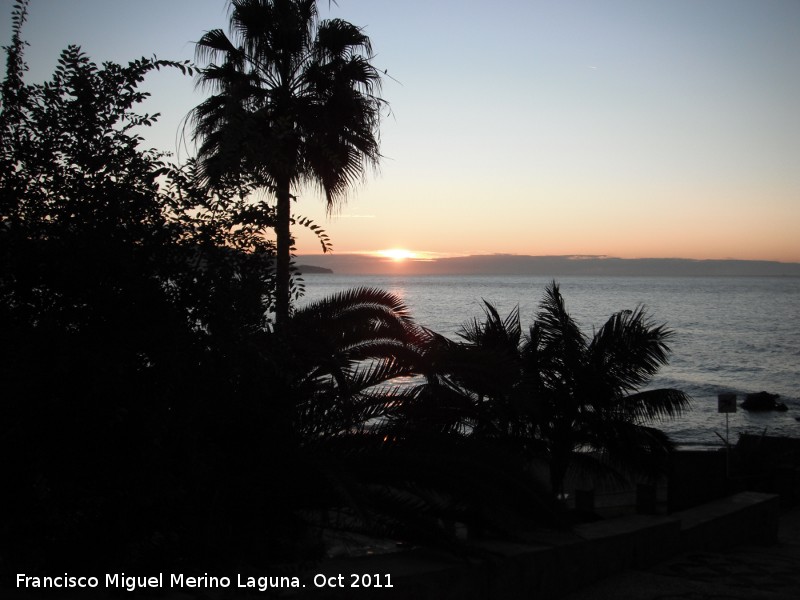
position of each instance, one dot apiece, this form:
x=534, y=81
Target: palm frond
x=339, y=39
x=630, y=349
x=556, y=327
x=383, y=307
x=369, y=373
x=215, y=45
x=656, y=405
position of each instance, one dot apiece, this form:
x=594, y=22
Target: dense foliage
x=126, y=358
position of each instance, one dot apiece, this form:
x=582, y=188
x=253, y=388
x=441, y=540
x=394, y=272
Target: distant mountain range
x=549, y=266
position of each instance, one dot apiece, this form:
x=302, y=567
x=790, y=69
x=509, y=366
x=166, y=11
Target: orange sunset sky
x=621, y=128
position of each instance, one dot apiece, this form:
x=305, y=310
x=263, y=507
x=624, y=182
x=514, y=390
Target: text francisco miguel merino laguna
x=178, y=580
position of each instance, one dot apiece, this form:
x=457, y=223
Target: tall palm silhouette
x=294, y=102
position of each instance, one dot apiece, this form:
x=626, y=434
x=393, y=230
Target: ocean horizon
x=546, y=266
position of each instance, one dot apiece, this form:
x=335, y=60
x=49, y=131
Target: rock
x=763, y=401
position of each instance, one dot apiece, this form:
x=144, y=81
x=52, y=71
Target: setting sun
x=397, y=254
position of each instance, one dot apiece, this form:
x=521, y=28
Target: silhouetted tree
x=75, y=184
x=85, y=242
x=130, y=358
x=294, y=103
x=593, y=409
x=556, y=393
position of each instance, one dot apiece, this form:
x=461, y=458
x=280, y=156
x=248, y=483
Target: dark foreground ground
x=666, y=556
x=769, y=572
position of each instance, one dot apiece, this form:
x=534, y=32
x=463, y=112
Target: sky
x=626, y=128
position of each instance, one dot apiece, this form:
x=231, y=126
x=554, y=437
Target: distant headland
x=546, y=266
x=313, y=269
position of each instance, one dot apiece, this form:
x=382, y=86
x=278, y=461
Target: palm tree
x=591, y=410
x=558, y=394
x=294, y=103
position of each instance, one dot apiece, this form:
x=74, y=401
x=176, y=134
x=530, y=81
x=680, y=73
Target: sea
x=731, y=335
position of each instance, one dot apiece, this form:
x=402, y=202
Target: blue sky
x=624, y=128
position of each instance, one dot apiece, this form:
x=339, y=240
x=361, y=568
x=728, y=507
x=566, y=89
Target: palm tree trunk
x=284, y=253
